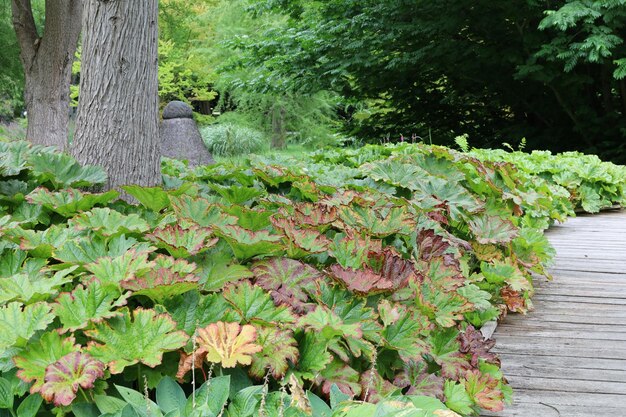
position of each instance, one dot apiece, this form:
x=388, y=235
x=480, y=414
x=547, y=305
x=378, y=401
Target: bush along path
x=344, y=283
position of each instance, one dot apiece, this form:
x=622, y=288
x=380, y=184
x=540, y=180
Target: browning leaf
x=64, y=377
x=288, y=281
x=228, y=343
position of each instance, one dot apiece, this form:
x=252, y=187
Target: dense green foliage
x=498, y=72
x=358, y=274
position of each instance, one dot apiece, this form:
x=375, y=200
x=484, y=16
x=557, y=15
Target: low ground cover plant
x=342, y=283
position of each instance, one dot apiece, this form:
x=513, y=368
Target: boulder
x=177, y=110
x=181, y=139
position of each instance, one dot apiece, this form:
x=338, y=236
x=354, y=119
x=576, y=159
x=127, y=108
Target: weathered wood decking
x=568, y=357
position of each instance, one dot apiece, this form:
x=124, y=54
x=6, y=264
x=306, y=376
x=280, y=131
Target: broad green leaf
x=278, y=349
x=153, y=198
x=337, y=396
x=6, y=394
x=107, y=222
x=91, y=303
x=62, y=170
x=254, y=304
x=192, y=310
x=28, y=288
x=445, y=349
x=501, y=273
x=328, y=325
x=18, y=323
x=138, y=403
x=445, y=308
x=314, y=355
x=123, y=267
x=235, y=194
x=222, y=273
x=41, y=243
x=212, y=396
x=90, y=250
x=64, y=377
x=201, y=212
x=69, y=202
x=107, y=404
x=405, y=334
x=183, y=242
x=143, y=338
x=457, y=398
x=170, y=396
x=170, y=277
x=250, y=219
x=34, y=360
x=492, y=229
x=247, y=244
x=343, y=376
x=29, y=406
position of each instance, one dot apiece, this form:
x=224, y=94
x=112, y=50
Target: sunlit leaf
x=492, y=229
x=182, y=242
x=254, y=304
x=143, y=338
x=107, y=222
x=18, y=323
x=69, y=202
x=247, y=244
x=123, y=267
x=88, y=304
x=228, y=343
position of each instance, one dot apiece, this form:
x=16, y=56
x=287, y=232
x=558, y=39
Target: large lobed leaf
x=142, y=336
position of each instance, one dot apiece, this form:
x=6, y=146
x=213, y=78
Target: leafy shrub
x=360, y=274
x=226, y=139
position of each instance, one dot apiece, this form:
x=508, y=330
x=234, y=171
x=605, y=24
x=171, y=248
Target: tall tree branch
x=26, y=31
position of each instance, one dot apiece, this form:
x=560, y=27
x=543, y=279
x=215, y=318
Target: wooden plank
x=571, y=399
x=547, y=410
x=597, y=364
x=567, y=385
x=600, y=346
x=580, y=300
x=561, y=373
x=550, y=332
x=572, y=328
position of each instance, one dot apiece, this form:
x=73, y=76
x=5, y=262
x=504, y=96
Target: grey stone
x=177, y=110
x=181, y=139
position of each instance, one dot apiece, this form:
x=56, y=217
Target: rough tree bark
x=117, y=122
x=47, y=62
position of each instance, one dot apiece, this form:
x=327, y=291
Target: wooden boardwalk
x=568, y=357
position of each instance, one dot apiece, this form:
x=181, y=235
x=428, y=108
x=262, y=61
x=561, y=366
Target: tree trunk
x=117, y=123
x=278, y=127
x=47, y=63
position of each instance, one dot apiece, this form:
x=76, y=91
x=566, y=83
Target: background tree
x=47, y=62
x=117, y=122
x=478, y=67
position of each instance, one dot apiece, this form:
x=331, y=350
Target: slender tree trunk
x=47, y=62
x=117, y=122
x=278, y=127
